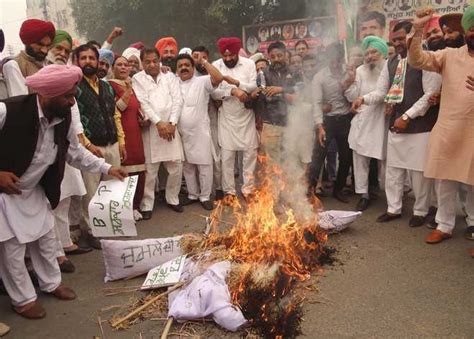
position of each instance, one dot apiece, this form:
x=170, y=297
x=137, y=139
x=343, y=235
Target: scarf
x=396, y=91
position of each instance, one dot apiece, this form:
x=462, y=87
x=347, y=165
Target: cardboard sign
x=111, y=208
x=166, y=274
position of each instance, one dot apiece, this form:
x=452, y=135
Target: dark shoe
x=146, y=215
x=64, y=293
x=219, y=195
x=94, y=242
x=338, y=195
x=177, y=208
x=363, y=204
x=432, y=224
x=32, y=310
x=469, y=233
x=436, y=237
x=185, y=201
x=67, y=266
x=386, y=217
x=416, y=221
x=78, y=251
x=208, y=205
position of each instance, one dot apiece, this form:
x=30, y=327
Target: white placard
x=111, y=208
x=165, y=274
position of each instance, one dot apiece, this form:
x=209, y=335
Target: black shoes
x=185, y=201
x=67, y=266
x=219, y=195
x=386, y=217
x=363, y=204
x=208, y=205
x=338, y=195
x=177, y=208
x=146, y=215
x=416, y=221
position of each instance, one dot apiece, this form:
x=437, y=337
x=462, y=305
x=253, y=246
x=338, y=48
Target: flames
x=273, y=247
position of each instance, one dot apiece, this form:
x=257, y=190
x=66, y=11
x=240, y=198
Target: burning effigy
x=246, y=269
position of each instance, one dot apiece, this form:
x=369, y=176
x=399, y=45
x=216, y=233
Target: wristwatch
x=405, y=117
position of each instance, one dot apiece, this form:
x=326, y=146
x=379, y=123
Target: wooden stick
x=167, y=328
x=148, y=303
x=100, y=325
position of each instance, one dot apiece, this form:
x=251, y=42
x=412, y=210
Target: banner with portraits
x=398, y=10
x=317, y=32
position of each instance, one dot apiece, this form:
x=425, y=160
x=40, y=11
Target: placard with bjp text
x=111, y=208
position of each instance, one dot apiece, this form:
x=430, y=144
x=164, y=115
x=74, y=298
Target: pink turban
x=165, y=42
x=33, y=30
x=54, y=80
x=233, y=45
x=434, y=22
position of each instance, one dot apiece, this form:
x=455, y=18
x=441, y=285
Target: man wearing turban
x=236, y=125
x=452, y=30
x=30, y=178
x=406, y=91
x=106, y=60
x=60, y=48
x=168, y=49
x=37, y=36
x=433, y=34
x=450, y=159
x=368, y=133
x=132, y=55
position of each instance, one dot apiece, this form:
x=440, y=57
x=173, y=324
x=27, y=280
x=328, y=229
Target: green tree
x=191, y=22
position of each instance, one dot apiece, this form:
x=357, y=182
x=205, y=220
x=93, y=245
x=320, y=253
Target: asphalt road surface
x=388, y=284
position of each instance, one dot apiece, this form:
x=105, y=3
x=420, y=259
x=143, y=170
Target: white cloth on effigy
x=207, y=295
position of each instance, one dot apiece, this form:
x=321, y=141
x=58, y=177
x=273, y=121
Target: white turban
x=131, y=51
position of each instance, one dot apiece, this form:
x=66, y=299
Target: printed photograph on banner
x=111, y=208
x=164, y=275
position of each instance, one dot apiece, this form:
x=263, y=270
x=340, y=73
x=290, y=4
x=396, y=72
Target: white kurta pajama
x=195, y=130
x=407, y=151
x=71, y=186
x=368, y=133
x=26, y=220
x=160, y=100
x=236, y=125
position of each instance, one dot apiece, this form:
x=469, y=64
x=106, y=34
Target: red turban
x=233, y=45
x=434, y=22
x=54, y=80
x=33, y=30
x=165, y=42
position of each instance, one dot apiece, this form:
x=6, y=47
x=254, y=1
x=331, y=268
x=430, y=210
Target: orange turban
x=33, y=30
x=434, y=22
x=233, y=45
x=165, y=42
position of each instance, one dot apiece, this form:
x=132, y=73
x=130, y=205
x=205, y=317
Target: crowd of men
x=398, y=116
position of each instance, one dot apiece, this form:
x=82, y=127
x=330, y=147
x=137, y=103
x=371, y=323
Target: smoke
x=298, y=141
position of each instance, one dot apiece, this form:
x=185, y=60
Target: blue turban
x=378, y=43
x=107, y=55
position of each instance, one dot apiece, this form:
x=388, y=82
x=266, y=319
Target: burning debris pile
x=269, y=255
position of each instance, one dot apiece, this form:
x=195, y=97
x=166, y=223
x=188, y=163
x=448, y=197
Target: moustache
x=184, y=70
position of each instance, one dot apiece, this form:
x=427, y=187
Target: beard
x=456, y=43
x=101, y=73
x=201, y=69
x=169, y=62
x=60, y=112
x=38, y=56
x=89, y=70
x=231, y=63
x=436, y=45
x=470, y=44
x=277, y=66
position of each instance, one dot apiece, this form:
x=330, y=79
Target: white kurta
x=407, y=150
x=368, y=133
x=72, y=184
x=14, y=79
x=194, y=123
x=160, y=100
x=28, y=216
x=236, y=126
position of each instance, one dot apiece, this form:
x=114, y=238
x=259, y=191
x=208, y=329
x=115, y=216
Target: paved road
x=389, y=284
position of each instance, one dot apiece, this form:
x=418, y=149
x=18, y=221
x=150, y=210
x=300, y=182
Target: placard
x=111, y=208
x=166, y=274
